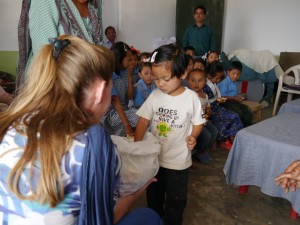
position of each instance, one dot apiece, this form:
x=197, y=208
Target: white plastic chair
x=290, y=89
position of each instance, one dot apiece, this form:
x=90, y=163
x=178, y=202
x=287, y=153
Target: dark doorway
x=214, y=18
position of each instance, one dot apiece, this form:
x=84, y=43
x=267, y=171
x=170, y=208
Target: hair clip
x=152, y=60
x=135, y=50
x=125, y=48
x=58, y=46
x=204, y=57
x=146, y=60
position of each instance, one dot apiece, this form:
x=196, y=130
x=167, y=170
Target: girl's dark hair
x=120, y=50
x=200, y=60
x=213, y=68
x=134, y=52
x=189, y=48
x=236, y=65
x=195, y=71
x=144, y=64
x=172, y=54
x=142, y=54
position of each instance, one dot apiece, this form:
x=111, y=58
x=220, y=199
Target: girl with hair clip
x=211, y=56
x=121, y=119
x=174, y=115
x=57, y=164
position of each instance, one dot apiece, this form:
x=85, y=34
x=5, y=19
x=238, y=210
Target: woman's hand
x=125, y=203
x=290, y=178
x=5, y=97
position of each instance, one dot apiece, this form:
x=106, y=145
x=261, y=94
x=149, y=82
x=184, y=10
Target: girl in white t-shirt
x=173, y=112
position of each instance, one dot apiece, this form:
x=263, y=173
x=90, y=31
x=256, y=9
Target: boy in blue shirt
x=229, y=90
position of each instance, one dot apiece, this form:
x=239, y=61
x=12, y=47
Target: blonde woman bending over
x=57, y=164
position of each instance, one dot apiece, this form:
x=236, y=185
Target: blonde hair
x=48, y=111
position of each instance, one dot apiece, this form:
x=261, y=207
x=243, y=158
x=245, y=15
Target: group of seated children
x=226, y=111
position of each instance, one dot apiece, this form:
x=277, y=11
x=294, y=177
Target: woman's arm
x=124, y=204
x=5, y=97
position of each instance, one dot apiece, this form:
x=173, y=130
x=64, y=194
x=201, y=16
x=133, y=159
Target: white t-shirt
x=204, y=102
x=172, y=118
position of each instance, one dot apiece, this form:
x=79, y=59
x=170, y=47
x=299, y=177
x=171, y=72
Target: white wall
x=255, y=24
x=262, y=24
x=143, y=21
x=110, y=14
x=9, y=17
x=140, y=22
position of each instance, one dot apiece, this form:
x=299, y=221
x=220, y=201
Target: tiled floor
x=212, y=202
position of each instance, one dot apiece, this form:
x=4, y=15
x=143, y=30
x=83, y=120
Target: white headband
x=153, y=57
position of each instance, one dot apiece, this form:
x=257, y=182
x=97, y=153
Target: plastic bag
x=139, y=161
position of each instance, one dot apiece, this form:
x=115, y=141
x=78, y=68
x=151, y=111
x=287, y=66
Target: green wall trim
x=8, y=61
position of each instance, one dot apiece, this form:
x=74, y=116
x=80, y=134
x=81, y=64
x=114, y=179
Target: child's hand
x=129, y=130
x=238, y=98
x=208, y=111
x=191, y=142
x=221, y=100
x=130, y=70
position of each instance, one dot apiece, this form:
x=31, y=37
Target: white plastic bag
x=139, y=161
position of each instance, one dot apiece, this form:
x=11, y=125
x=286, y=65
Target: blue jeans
x=141, y=216
x=207, y=137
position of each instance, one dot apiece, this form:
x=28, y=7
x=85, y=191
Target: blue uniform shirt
x=228, y=87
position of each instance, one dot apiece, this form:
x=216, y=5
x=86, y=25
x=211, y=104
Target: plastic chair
x=290, y=89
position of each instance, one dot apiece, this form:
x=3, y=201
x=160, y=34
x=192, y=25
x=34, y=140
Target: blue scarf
x=97, y=179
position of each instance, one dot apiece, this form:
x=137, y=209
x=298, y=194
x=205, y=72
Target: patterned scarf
x=69, y=24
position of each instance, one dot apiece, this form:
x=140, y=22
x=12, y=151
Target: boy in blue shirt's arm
x=229, y=90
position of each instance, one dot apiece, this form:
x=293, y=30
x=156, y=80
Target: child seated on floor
x=227, y=122
x=197, y=80
x=144, y=87
x=229, y=90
